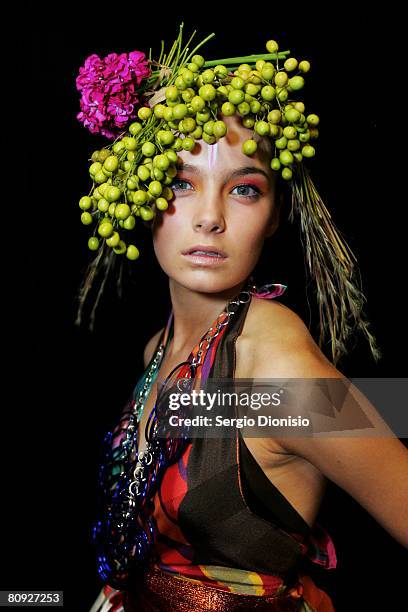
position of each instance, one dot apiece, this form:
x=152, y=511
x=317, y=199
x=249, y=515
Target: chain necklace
x=145, y=457
x=122, y=541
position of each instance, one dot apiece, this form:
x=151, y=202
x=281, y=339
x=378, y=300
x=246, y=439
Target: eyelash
x=251, y=197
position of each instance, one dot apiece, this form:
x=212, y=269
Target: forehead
x=227, y=152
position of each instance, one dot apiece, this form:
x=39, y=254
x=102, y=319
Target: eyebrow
x=244, y=170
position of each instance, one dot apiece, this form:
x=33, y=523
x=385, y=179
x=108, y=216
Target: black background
x=68, y=385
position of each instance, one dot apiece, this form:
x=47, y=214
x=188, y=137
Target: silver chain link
x=145, y=458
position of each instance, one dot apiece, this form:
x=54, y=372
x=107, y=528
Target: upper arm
x=372, y=468
x=150, y=347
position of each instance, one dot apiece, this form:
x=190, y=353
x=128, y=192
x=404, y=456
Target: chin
x=207, y=281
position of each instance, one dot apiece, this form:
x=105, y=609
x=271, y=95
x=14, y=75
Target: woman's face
x=223, y=200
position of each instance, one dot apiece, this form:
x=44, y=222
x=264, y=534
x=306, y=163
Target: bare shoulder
x=275, y=342
x=150, y=346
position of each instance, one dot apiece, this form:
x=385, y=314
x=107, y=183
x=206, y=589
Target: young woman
x=234, y=519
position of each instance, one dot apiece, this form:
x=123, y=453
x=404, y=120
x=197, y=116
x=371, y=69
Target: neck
x=193, y=313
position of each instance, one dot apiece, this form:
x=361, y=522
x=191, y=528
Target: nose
x=209, y=216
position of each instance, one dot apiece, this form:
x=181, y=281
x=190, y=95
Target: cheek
x=167, y=231
x=248, y=227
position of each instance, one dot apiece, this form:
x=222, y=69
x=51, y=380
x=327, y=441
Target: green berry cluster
x=133, y=177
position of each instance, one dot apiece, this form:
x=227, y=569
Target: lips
x=200, y=249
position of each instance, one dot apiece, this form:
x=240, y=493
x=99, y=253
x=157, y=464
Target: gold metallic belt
x=161, y=591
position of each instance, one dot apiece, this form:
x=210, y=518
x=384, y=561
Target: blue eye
x=242, y=189
x=176, y=182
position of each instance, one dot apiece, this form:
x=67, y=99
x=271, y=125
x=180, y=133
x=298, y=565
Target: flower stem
x=248, y=58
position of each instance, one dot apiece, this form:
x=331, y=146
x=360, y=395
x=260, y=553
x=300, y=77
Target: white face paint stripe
x=212, y=155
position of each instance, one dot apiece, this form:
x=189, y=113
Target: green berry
x=120, y=249
x=207, y=92
x=237, y=83
x=130, y=143
x=180, y=111
x=95, y=168
x=86, y=218
x=289, y=132
x=287, y=174
x=193, y=67
x=236, y=96
x=129, y=223
x=286, y=157
x=85, y=203
x=304, y=66
x=299, y=106
x=112, y=194
x=262, y=128
x=272, y=46
x=113, y=240
x=304, y=137
x=293, y=144
x=296, y=83
x=155, y=188
x=281, y=78
x=93, y=243
x=219, y=129
x=103, y=205
x=281, y=143
x=171, y=156
x=268, y=93
x=143, y=173
x=188, y=143
x=158, y=111
x=172, y=93
x=122, y=211
x=198, y=60
x=248, y=121
x=209, y=139
x=243, y=109
x=189, y=124
x=105, y=229
x=313, y=119
x=148, y=149
x=146, y=213
x=144, y=113
x=308, y=151
x=118, y=147
x=139, y=197
x=228, y=109
x=255, y=106
x=162, y=162
x=132, y=252
x=282, y=94
x=292, y=115
x=208, y=128
x=132, y=183
x=162, y=204
x=275, y=116
x=111, y=163
x=208, y=76
x=197, y=104
x=180, y=83
x=249, y=147
x=290, y=64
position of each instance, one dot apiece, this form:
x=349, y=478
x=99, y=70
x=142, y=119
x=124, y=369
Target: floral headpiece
x=152, y=109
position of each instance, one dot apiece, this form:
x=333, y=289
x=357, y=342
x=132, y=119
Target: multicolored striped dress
x=218, y=519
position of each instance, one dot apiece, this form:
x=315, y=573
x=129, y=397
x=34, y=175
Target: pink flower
x=110, y=94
